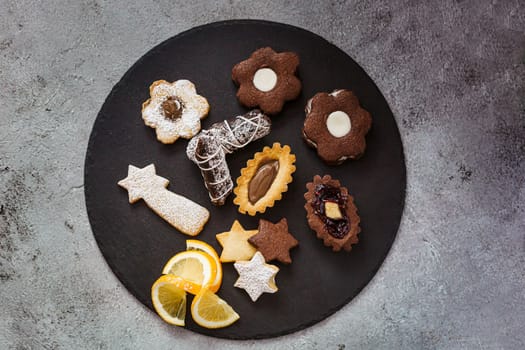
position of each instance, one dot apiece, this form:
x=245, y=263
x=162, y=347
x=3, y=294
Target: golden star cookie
x=235, y=243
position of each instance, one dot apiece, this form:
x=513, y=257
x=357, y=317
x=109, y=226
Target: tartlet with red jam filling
x=331, y=213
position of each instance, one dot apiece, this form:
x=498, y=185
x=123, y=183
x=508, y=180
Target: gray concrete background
x=454, y=75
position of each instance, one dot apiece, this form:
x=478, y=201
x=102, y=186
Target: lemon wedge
x=210, y=311
x=169, y=300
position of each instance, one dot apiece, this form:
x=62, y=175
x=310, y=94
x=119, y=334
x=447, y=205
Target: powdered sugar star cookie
x=256, y=276
x=174, y=110
x=183, y=214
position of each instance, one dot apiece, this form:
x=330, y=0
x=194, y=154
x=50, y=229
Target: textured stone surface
x=453, y=73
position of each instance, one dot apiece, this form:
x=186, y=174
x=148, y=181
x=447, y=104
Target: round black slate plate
x=137, y=243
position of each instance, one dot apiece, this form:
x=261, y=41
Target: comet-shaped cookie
x=183, y=214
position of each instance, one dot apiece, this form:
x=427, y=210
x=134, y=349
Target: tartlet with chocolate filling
x=264, y=179
x=331, y=213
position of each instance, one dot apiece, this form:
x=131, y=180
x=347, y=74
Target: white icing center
x=265, y=79
x=338, y=124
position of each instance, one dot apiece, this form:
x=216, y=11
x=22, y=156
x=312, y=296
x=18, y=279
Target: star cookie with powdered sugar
x=140, y=181
x=256, y=276
x=182, y=213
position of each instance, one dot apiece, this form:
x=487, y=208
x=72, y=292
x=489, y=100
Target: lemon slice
x=195, y=269
x=210, y=311
x=193, y=244
x=169, y=300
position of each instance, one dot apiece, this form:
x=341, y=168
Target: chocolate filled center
x=172, y=108
x=262, y=180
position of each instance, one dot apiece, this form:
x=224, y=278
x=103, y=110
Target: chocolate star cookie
x=274, y=241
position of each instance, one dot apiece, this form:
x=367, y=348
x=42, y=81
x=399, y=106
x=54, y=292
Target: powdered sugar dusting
x=256, y=276
x=195, y=108
x=182, y=213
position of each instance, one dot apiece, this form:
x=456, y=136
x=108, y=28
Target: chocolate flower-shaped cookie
x=336, y=125
x=267, y=79
x=174, y=110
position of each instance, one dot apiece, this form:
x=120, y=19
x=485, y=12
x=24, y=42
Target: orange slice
x=194, y=268
x=196, y=245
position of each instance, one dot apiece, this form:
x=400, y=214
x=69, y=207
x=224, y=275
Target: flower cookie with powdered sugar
x=174, y=110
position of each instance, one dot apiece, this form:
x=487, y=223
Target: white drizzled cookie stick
x=209, y=148
x=238, y=132
x=183, y=214
x=211, y=159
